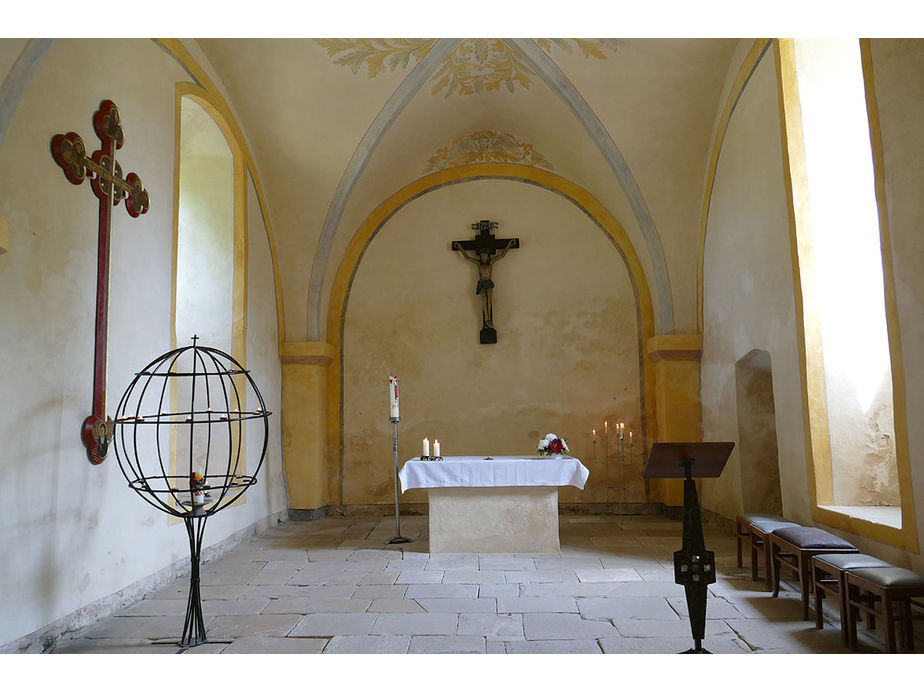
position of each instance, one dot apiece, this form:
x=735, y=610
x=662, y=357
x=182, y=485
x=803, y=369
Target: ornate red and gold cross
x=105, y=175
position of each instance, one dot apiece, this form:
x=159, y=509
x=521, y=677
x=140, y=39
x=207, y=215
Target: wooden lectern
x=694, y=566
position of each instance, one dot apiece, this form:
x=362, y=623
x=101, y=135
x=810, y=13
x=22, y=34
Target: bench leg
x=842, y=588
x=775, y=564
x=852, y=613
x=805, y=577
x=819, y=601
x=889, y=623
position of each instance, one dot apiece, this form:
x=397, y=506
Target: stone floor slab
x=330, y=625
x=317, y=605
x=349, y=592
x=481, y=605
x=715, y=645
x=532, y=605
x=396, y=606
x=415, y=624
x=380, y=592
x=239, y=625
x=368, y=644
x=492, y=626
x=447, y=644
x=565, y=627
x=585, y=646
x=252, y=644
x=441, y=591
x=656, y=608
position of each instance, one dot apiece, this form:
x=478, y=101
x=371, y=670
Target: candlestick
x=426, y=448
x=436, y=447
x=393, y=397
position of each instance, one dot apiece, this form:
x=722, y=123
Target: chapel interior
x=718, y=239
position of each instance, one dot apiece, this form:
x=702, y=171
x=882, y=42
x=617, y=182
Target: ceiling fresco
x=475, y=66
x=336, y=126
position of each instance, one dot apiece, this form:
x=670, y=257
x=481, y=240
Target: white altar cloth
x=500, y=471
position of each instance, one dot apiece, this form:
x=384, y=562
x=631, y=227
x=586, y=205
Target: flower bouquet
x=552, y=445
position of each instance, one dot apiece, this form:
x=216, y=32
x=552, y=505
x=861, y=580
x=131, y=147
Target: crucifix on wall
x=484, y=250
x=105, y=175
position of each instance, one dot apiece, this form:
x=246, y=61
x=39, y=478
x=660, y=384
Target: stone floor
x=334, y=586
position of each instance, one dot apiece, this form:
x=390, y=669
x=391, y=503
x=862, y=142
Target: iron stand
x=397, y=539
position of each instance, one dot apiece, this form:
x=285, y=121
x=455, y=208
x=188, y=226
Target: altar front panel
x=499, y=519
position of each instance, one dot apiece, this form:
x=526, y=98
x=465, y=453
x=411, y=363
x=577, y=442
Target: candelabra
x=619, y=452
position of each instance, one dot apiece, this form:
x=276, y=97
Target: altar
x=493, y=504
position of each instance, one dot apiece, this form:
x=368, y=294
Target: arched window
x=856, y=426
x=210, y=280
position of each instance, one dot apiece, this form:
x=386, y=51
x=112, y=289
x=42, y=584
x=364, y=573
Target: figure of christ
x=485, y=285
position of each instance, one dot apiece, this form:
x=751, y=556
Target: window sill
x=889, y=516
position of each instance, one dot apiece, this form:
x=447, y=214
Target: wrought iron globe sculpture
x=182, y=429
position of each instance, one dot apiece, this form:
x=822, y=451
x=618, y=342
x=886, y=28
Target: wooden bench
x=795, y=546
x=887, y=593
x=829, y=578
x=755, y=529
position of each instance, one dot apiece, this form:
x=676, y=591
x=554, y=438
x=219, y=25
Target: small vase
x=558, y=456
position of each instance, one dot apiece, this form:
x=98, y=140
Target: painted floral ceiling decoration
x=378, y=55
x=486, y=146
x=475, y=66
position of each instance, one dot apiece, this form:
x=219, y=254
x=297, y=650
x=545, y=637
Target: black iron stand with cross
x=484, y=250
x=105, y=175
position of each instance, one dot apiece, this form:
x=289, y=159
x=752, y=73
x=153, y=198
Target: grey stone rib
x=22, y=72
x=557, y=82
x=383, y=121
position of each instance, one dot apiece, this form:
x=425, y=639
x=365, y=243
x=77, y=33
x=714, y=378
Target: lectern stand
x=694, y=566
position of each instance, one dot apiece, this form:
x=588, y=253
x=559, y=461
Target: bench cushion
x=767, y=526
x=811, y=538
x=752, y=517
x=891, y=576
x=848, y=561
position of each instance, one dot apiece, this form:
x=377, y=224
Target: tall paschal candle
x=393, y=396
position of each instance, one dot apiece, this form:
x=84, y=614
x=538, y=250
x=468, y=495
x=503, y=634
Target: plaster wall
x=73, y=533
x=567, y=355
x=897, y=65
x=748, y=295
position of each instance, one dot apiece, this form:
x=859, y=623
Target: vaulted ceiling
x=336, y=126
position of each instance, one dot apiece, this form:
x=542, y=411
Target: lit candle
x=426, y=448
x=605, y=428
x=436, y=447
x=393, y=397
x=594, y=432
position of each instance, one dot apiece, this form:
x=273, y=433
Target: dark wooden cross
x=105, y=175
x=484, y=250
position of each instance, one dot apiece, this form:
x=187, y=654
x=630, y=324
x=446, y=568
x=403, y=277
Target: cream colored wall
x=567, y=353
x=897, y=65
x=73, y=533
x=748, y=288
x=747, y=294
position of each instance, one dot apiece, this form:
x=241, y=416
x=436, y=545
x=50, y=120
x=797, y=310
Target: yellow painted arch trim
x=461, y=174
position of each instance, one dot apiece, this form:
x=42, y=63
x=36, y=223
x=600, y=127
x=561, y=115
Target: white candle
x=594, y=432
x=436, y=447
x=393, y=397
x=606, y=428
x=426, y=448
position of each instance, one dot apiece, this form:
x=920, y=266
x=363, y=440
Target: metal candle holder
x=212, y=427
x=397, y=539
